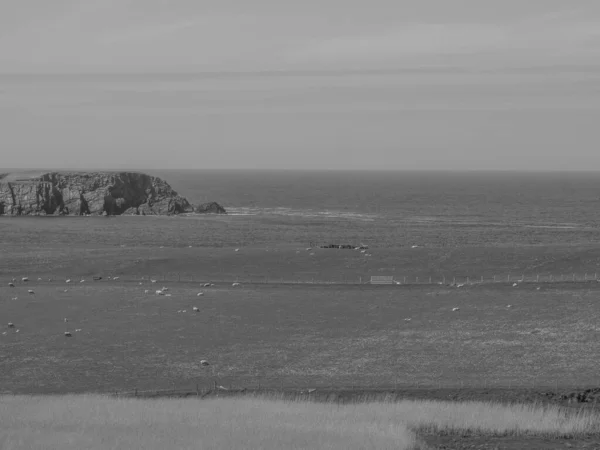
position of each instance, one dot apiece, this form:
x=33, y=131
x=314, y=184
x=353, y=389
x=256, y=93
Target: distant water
x=527, y=200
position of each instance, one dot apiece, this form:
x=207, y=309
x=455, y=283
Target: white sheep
x=236, y=284
x=146, y=291
x=15, y=298
x=30, y=291
x=39, y=279
x=11, y=284
x=159, y=292
x=515, y=284
x=206, y=284
x=455, y=309
x=66, y=320
x=82, y=281
x=165, y=288
x=195, y=308
x=407, y=320
x=167, y=295
x=68, y=281
x=204, y=362
x=199, y=294
x=67, y=333
x=152, y=281
x=11, y=325
x=66, y=290
x=78, y=329
x=237, y=249
x=509, y=306
x=185, y=310
x=24, y=279
x=115, y=278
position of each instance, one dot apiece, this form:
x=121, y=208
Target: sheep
x=199, y=294
x=236, y=284
x=204, y=362
x=82, y=281
x=67, y=333
x=206, y=284
x=4, y=333
x=537, y=288
x=66, y=320
x=66, y=290
x=509, y=306
x=165, y=288
x=24, y=279
x=152, y=281
x=67, y=281
x=195, y=308
x=17, y=330
x=407, y=320
x=39, y=279
x=11, y=325
x=146, y=291
x=185, y=310
x=455, y=309
x=167, y=295
x=31, y=291
x=159, y=292
x=237, y=249
x=78, y=329
x=15, y=298
x=515, y=284
x=11, y=284
x=115, y=278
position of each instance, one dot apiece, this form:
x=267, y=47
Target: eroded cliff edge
x=97, y=193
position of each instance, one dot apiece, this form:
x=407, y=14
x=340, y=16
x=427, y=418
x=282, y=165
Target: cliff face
x=65, y=193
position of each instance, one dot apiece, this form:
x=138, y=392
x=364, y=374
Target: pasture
x=295, y=336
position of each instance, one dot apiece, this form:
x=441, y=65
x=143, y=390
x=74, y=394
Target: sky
x=336, y=84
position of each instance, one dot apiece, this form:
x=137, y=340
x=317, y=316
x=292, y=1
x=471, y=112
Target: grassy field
x=336, y=338
x=274, y=248
x=95, y=423
x=296, y=336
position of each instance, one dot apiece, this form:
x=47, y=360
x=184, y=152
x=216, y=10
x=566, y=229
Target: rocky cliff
x=108, y=193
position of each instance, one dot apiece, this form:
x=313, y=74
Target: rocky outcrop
x=109, y=193
x=211, y=208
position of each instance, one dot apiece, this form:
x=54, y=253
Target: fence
x=397, y=280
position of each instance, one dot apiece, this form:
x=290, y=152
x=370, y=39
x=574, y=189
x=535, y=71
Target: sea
x=523, y=199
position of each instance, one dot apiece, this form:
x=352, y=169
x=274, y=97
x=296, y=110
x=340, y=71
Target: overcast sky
x=530, y=96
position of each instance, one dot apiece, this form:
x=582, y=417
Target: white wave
x=284, y=211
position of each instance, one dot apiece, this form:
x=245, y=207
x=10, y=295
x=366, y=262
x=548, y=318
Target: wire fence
x=351, y=280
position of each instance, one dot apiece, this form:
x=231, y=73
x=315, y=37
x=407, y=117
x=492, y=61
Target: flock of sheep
x=163, y=291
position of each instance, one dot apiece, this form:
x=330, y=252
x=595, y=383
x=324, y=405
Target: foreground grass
x=96, y=422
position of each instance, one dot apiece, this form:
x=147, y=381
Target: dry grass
x=98, y=423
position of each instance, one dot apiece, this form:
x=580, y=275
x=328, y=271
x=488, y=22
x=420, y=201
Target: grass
x=298, y=335
x=77, y=422
x=96, y=422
